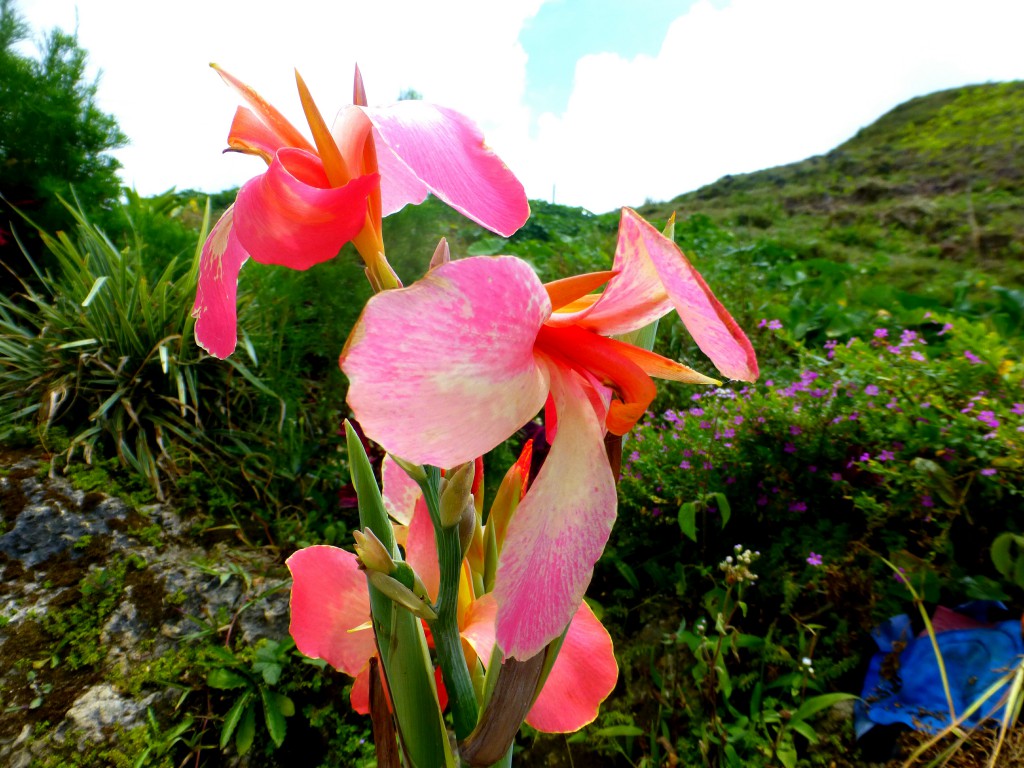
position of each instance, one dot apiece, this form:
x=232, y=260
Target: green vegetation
x=52, y=134
x=881, y=284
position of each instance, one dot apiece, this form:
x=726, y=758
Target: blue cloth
x=903, y=684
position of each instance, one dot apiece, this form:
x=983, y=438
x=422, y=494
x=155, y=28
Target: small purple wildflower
x=886, y=455
x=871, y=390
x=926, y=501
x=988, y=418
x=798, y=506
x=988, y=472
x=972, y=357
x=881, y=333
x=814, y=559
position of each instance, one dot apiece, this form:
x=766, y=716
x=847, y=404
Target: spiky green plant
x=102, y=346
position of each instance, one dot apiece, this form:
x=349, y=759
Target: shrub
x=104, y=349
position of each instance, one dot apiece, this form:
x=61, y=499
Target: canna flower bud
x=373, y=555
x=469, y=524
x=415, y=471
x=457, y=494
x=401, y=594
x=442, y=255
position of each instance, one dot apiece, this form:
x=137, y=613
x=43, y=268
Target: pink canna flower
x=448, y=368
x=315, y=197
x=330, y=614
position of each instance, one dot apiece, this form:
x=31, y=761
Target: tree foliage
x=53, y=135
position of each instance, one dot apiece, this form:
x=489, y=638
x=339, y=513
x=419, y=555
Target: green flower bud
x=402, y=595
x=373, y=555
x=457, y=494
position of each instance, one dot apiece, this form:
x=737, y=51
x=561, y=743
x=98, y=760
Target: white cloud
x=736, y=87
x=157, y=82
x=753, y=84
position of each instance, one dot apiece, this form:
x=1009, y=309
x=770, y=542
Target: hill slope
x=936, y=183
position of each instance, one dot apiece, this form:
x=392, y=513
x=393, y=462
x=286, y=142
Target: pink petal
x=443, y=371
x=251, y=136
x=559, y=530
x=653, y=276
x=399, y=186
x=421, y=548
x=404, y=501
x=583, y=676
x=329, y=598
x=712, y=327
x=634, y=297
x=399, y=491
x=214, y=309
x=446, y=152
x=477, y=626
x=261, y=129
x=291, y=216
x=359, y=698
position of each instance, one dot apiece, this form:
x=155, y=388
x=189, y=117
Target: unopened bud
x=442, y=255
x=415, y=471
x=457, y=494
x=401, y=594
x=467, y=526
x=373, y=555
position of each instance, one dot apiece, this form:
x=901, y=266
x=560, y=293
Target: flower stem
x=445, y=629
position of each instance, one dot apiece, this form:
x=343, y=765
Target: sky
x=592, y=103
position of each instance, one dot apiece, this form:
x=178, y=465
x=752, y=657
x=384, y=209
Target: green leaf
x=815, y=704
x=688, y=520
x=274, y=714
x=723, y=507
x=805, y=730
x=233, y=716
x=786, y=753
x=97, y=284
x=246, y=732
x=225, y=679
x=1002, y=552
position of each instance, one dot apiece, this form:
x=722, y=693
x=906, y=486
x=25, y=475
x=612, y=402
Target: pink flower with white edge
x=317, y=196
x=446, y=369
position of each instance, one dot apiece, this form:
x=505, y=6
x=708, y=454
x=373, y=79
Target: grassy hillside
x=935, y=186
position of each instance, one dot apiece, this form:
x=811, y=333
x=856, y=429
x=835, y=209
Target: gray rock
x=99, y=709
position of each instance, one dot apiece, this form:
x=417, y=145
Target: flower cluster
x=737, y=568
x=440, y=373
x=875, y=446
